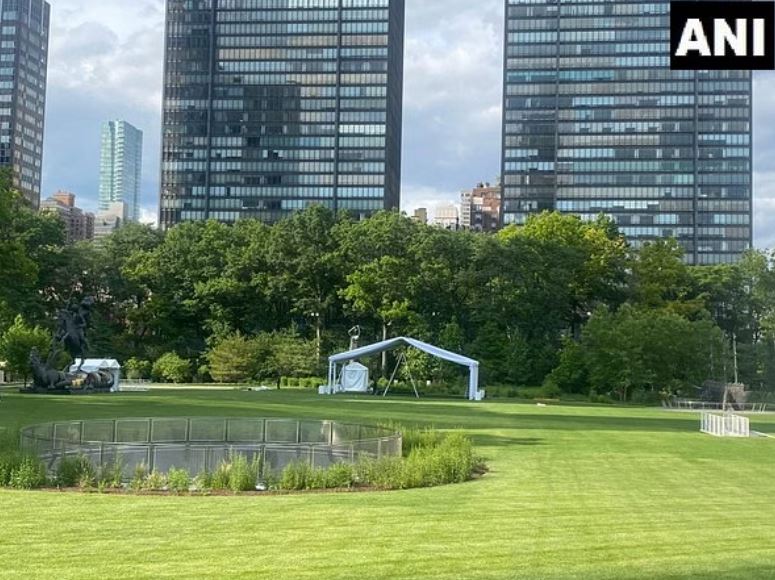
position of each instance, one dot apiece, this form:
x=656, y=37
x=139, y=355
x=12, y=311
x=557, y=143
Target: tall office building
x=121, y=167
x=596, y=122
x=274, y=105
x=24, y=26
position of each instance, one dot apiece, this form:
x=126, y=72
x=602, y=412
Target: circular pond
x=202, y=444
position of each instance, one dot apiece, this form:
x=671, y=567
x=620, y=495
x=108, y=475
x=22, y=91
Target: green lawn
x=574, y=492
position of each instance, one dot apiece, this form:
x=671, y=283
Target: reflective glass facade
x=24, y=28
x=596, y=122
x=273, y=105
x=121, y=167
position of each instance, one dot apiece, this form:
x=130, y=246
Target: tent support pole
x=411, y=378
x=393, y=376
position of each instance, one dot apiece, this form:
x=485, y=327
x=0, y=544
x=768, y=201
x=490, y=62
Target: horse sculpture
x=45, y=377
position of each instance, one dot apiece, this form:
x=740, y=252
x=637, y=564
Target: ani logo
x=714, y=35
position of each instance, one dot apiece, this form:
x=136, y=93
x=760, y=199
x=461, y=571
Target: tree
x=292, y=356
x=30, y=244
x=172, y=368
x=234, y=359
x=633, y=349
x=661, y=280
x=16, y=344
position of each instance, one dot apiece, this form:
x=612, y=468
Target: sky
x=105, y=63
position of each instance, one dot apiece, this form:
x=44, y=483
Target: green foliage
x=243, y=475
x=430, y=459
x=171, y=368
x=298, y=476
x=75, y=471
x=137, y=369
x=635, y=350
x=291, y=355
x=235, y=359
x=235, y=474
x=155, y=481
x=244, y=302
x=178, y=480
x=28, y=473
x=16, y=344
x=110, y=476
x=138, y=478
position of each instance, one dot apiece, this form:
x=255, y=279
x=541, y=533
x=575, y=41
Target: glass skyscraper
x=121, y=167
x=24, y=27
x=596, y=122
x=274, y=105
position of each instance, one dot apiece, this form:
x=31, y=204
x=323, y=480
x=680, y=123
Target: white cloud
x=148, y=217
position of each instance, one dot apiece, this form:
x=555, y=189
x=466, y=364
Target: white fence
x=727, y=425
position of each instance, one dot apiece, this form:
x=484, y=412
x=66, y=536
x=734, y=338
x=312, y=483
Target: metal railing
x=202, y=444
x=689, y=405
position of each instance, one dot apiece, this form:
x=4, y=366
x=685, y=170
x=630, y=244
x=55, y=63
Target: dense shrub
x=178, y=480
x=235, y=474
x=137, y=369
x=171, y=368
x=75, y=471
x=431, y=459
x=29, y=473
x=9, y=462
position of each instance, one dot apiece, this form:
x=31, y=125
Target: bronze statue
x=72, y=323
x=44, y=377
x=70, y=336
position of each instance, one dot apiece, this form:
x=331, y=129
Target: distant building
x=109, y=220
x=421, y=215
x=24, y=58
x=79, y=225
x=121, y=167
x=446, y=216
x=480, y=208
x=595, y=121
x=274, y=106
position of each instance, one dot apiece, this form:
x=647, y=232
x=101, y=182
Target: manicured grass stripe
x=574, y=492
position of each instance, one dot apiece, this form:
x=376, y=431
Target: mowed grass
x=574, y=492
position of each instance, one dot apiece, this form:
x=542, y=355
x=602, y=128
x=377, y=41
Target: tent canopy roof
x=393, y=343
x=98, y=364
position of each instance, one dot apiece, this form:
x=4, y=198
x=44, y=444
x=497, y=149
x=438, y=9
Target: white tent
x=355, y=378
x=93, y=365
x=346, y=357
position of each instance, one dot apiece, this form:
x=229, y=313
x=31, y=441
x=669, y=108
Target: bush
x=155, y=481
x=75, y=472
x=451, y=461
x=111, y=476
x=9, y=462
x=29, y=473
x=137, y=369
x=171, y=368
x=178, y=480
x=138, y=479
x=203, y=481
x=243, y=475
x=431, y=459
x=236, y=474
x=296, y=476
x=339, y=476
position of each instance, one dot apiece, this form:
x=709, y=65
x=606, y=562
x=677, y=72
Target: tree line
x=558, y=303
